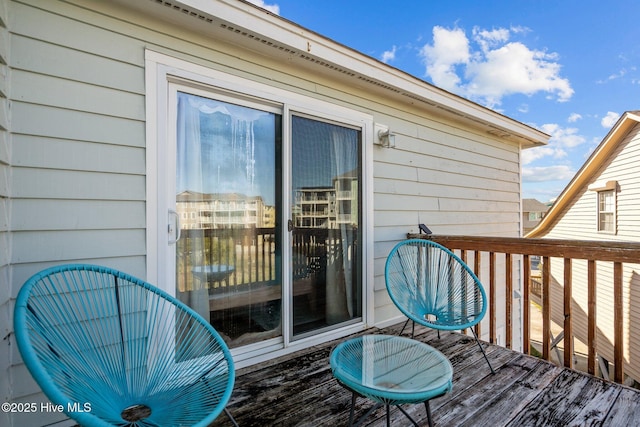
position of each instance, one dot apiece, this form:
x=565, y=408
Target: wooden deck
x=299, y=390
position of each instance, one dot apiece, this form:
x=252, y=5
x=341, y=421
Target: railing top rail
x=562, y=248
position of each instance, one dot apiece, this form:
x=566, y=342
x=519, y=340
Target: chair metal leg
x=428, y=408
x=407, y=415
x=405, y=325
x=482, y=350
x=233, y=421
x=388, y=417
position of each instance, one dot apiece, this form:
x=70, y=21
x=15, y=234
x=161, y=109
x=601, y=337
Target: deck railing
x=249, y=254
x=249, y=251
x=524, y=249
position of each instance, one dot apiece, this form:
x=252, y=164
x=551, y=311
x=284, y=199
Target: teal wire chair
x=114, y=350
x=433, y=287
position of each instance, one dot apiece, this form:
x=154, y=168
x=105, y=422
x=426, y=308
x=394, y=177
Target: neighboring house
x=112, y=111
x=532, y=212
x=602, y=202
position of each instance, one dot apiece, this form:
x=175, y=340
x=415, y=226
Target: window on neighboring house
x=606, y=194
x=607, y=211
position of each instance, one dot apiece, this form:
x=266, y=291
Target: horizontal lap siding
x=580, y=222
x=79, y=144
x=6, y=308
x=78, y=153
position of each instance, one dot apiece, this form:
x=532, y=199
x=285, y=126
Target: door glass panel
x=227, y=189
x=325, y=255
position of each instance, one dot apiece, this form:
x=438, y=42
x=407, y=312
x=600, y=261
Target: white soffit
x=243, y=24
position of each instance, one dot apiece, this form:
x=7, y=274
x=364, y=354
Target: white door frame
x=160, y=70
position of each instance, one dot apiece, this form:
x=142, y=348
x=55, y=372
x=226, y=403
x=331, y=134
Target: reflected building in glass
x=223, y=210
x=328, y=207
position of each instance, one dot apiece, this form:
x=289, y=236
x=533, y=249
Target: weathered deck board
x=625, y=410
x=299, y=390
x=514, y=399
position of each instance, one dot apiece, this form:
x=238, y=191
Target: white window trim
x=614, y=212
x=600, y=187
x=160, y=71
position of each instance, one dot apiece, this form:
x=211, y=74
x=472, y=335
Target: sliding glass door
x=227, y=202
x=257, y=188
x=325, y=255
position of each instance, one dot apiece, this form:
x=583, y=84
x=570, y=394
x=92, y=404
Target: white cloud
x=619, y=75
x=273, y=8
x=547, y=173
x=450, y=48
x=389, y=55
x=609, y=119
x=574, y=117
x=488, y=39
x=532, y=154
x=563, y=137
x=496, y=68
x=561, y=140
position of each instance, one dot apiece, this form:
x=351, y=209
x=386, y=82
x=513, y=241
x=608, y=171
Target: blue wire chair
x=435, y=288
x=114, y=350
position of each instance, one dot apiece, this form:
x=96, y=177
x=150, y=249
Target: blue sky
x=567, y=67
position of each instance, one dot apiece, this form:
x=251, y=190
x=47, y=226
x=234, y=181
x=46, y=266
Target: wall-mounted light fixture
x=384, y=137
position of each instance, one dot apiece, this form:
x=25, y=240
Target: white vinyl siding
x=579, y=221
x=78, y=190
x=78, y=141
x=78, y=155
x=6, y=306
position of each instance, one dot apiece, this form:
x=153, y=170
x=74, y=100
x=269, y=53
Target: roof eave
x=273, y=35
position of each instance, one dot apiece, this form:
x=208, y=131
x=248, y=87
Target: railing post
x=617, y=323
x=463, y=257
x=476, y=270
x=591, y=317
x=568, y=331
x=508, y=300
x=492, y=297
x=546, y=306
x=526, y=306
x=253, y=260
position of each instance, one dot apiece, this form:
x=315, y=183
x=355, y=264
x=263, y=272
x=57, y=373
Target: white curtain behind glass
x=189, y=177
x=323, y=154
x=340, y=292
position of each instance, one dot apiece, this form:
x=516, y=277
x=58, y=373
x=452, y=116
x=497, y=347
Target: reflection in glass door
x=227, y=194
x=326, y=200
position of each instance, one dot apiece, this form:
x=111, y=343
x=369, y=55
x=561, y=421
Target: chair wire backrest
x=95, y=336
x=433, y=286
